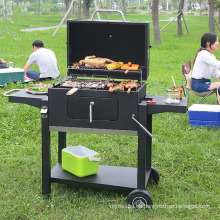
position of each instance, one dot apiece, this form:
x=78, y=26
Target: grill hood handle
x=104, y=10
x=142, y=127
x=91, y=104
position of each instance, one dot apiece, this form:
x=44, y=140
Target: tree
x=67, y=3
x=155, y=19
x=86, y=5
x=211, y=16
x=124, y=7
x=79, y=9
x=179, y=23
x=217, y=4
x=85, y=9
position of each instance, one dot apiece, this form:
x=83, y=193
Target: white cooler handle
x=92, y=158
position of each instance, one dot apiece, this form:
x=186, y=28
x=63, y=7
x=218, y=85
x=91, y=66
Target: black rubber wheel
x=140, y=199
x=154, y=176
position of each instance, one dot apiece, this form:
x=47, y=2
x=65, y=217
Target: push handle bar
x=104, y=10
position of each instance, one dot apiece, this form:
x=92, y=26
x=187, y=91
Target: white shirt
x=46, y=61
x=205, y=66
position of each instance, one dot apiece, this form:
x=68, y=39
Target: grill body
x=118, y=41
x=110, y=110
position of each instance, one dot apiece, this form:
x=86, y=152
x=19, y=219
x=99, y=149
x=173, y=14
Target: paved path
x=41, y=28
x=64, y=25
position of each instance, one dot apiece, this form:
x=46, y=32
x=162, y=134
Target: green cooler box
x=80, y=161
x=8, y=75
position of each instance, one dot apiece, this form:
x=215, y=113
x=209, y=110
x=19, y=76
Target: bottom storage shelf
x=108, y=177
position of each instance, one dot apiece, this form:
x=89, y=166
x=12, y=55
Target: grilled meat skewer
x=130, y=85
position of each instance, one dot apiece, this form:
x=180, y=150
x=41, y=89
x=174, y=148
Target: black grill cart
x=133, y=180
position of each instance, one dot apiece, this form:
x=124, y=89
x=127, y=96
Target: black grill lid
x=116, y=40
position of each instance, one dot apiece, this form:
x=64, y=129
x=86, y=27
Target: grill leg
x=61, y=144
x=149, y=143
x=142, y=143
x=46, y=159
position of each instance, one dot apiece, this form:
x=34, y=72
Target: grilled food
x=39, y=87
x=93, y=61
x=130, y=66
x=118, y=87
x=130, y=85
x=115, y=65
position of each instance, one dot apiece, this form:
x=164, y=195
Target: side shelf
x=160, y=106
x=24, y=97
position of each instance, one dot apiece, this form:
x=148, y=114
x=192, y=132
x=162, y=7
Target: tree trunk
x=124, y=7
x=39, y=8
x=79, y=9
x=35, y=7
x=5, y=14
x=219, y=16
x=211, y=16
x=155, y=19
x=67, y=3
x=179, y=23
x=85, y=10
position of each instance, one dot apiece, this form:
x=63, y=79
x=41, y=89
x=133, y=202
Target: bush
x=54, y=9
x=31, y=8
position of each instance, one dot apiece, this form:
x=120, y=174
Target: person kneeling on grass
x=3, y=63
x=46, y=61
x=206, y=65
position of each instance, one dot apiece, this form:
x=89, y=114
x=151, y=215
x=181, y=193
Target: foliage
x=89, y=2
x=54, y=9
x=186, y=157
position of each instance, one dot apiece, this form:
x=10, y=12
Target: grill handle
x=104, y=10
x=6, y=94
x=142, y=127
x=91, y=104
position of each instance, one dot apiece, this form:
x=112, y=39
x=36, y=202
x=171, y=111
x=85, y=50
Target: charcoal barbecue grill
x=98, y=111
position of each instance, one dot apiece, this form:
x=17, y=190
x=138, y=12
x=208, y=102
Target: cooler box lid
x=204, y=108
x=11, y=70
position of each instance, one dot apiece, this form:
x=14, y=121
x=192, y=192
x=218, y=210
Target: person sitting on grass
x=3, y=63
x=46, y=61
x=206, y=65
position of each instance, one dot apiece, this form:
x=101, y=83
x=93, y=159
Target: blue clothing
x=200, y=85
x=2, y=65
x=33, y=75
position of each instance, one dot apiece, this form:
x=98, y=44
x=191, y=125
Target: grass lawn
x=187, y=157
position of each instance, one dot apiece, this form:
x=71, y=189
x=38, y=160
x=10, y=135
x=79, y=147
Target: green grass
x=186, y=157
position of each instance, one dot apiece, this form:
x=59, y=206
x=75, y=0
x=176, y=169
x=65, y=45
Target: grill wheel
x=140, y=199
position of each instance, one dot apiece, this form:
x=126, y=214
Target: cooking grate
x=80, y=68
x=117, y=73
x=84, y=82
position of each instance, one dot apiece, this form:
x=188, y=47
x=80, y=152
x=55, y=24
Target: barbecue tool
x=173, y=81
